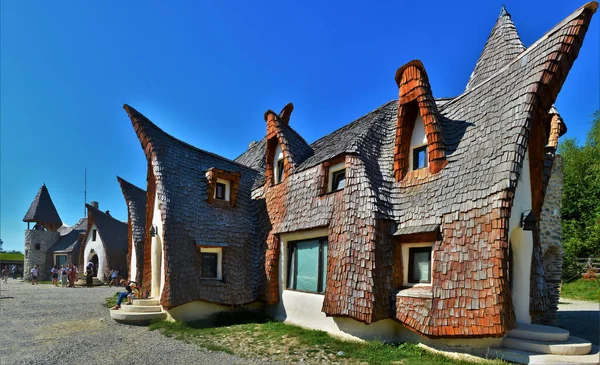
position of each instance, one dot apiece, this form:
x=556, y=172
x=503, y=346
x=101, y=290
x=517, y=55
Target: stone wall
x=551, y=237
x=38, y=255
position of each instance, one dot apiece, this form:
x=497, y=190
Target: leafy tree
x=581, y=198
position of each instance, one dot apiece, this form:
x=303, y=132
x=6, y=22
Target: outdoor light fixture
x=152, y=231
x=528, y=221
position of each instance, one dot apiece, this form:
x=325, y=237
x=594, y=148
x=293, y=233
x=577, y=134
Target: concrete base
x=536, y=332
x=526, y=357
x=573, y=346
x=141, y=312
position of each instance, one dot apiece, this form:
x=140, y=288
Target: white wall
x=98, y=249
x=133, y=263
x=158, y=262
x=417, y=139
x=521, y=246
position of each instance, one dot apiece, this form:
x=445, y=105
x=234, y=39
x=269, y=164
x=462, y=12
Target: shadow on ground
x=582, y=323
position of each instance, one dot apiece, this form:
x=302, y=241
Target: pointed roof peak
x=42, y=209
x=501, y=47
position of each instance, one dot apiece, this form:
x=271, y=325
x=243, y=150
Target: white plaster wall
x=158, y=262
x=133, y=263
x=98, y=249
x=417, y=139
x=521, y=246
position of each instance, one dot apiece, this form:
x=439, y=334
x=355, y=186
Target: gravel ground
x=581, y=318
x=47, y=325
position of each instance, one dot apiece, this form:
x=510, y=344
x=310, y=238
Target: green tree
x=581, y=198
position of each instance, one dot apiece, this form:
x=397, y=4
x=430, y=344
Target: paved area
x=581, y=318
x=46, y=325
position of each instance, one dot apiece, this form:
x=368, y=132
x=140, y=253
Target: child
x=65, y=276
x=5, y=275
x=135, y=293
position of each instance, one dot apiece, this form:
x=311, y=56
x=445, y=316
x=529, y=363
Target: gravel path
x=47, y=325
x=581, y=318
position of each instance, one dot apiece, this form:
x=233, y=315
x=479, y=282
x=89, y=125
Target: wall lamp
x=528, y=221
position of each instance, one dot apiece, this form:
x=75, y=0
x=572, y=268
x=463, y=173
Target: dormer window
x=222, y=185
x=223, y=190
x=419, y=157
x=337, y=177
x=278, y=165
x=220, y=192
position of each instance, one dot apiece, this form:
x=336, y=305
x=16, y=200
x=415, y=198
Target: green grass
x=11, y=256
x=582, y=290
x=256, y=335
x=111, y=301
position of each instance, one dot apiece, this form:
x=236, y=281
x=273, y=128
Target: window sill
x=331, y=192
x=304, y=292
x=422, y=291
x=212, y=282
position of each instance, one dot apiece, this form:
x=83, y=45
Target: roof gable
x=136, y=206
x=42, y=209
x=112, y=231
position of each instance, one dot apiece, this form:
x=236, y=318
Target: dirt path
x=46, y=325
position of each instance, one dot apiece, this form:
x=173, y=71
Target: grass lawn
x=582, y=290
x=256, y=335
x=11, y=256
x=111, y=301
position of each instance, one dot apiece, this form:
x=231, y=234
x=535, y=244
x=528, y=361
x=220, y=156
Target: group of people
x=132, y=291
x=64, y=274
x=16, y=271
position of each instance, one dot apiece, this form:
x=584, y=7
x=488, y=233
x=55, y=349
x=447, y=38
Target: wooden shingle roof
x=42, y=209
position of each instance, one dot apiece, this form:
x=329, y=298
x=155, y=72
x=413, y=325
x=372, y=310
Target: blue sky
x=207, y=71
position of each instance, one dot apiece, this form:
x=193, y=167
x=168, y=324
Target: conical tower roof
x=502, y=46
x=42, y=209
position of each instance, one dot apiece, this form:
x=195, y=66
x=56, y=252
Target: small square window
x=209, y=265
x=420, y=157
x=220, y=193
x=419, y=265
x=93, y=234
x=338, y=180
x=279, y=177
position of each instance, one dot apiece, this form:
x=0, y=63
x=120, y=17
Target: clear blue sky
x=206, y=73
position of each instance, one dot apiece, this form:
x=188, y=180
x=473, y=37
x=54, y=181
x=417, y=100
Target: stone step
x=536, y=332
x=573, y=346
x=122, y=316
x=141, y=308
x=532, y=358
x=148, y=301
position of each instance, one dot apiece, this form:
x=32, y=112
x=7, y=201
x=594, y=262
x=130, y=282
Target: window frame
x=279, y=171
x=415, y=157
x=219, y=252
x=56, y=259
x=411, y=264
x=407, y=265
x=224, y=191
x=321, y=270
x=94, y=234
x=331, y=171
x=334, y=175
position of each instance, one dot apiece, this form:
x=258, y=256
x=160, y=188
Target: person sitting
x=129, y=293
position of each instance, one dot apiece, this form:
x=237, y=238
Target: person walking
x=21, y=272
x=59, y=272
x=72, y=276
x=89, y=274
x=54, y=272
x=113, y=278
x=14, y=272
x=65, y=276
x=5, y=273
x=34, y=274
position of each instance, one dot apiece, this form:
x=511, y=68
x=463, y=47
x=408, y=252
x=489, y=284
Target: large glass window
x=419, y=265
x=307, y=267
x=60, y=260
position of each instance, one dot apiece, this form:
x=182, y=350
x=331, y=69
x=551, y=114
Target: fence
x=592, y=263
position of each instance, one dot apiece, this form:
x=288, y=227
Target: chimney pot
x=94, y=204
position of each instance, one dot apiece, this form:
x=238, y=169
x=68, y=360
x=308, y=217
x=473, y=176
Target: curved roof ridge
x=142, y=125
